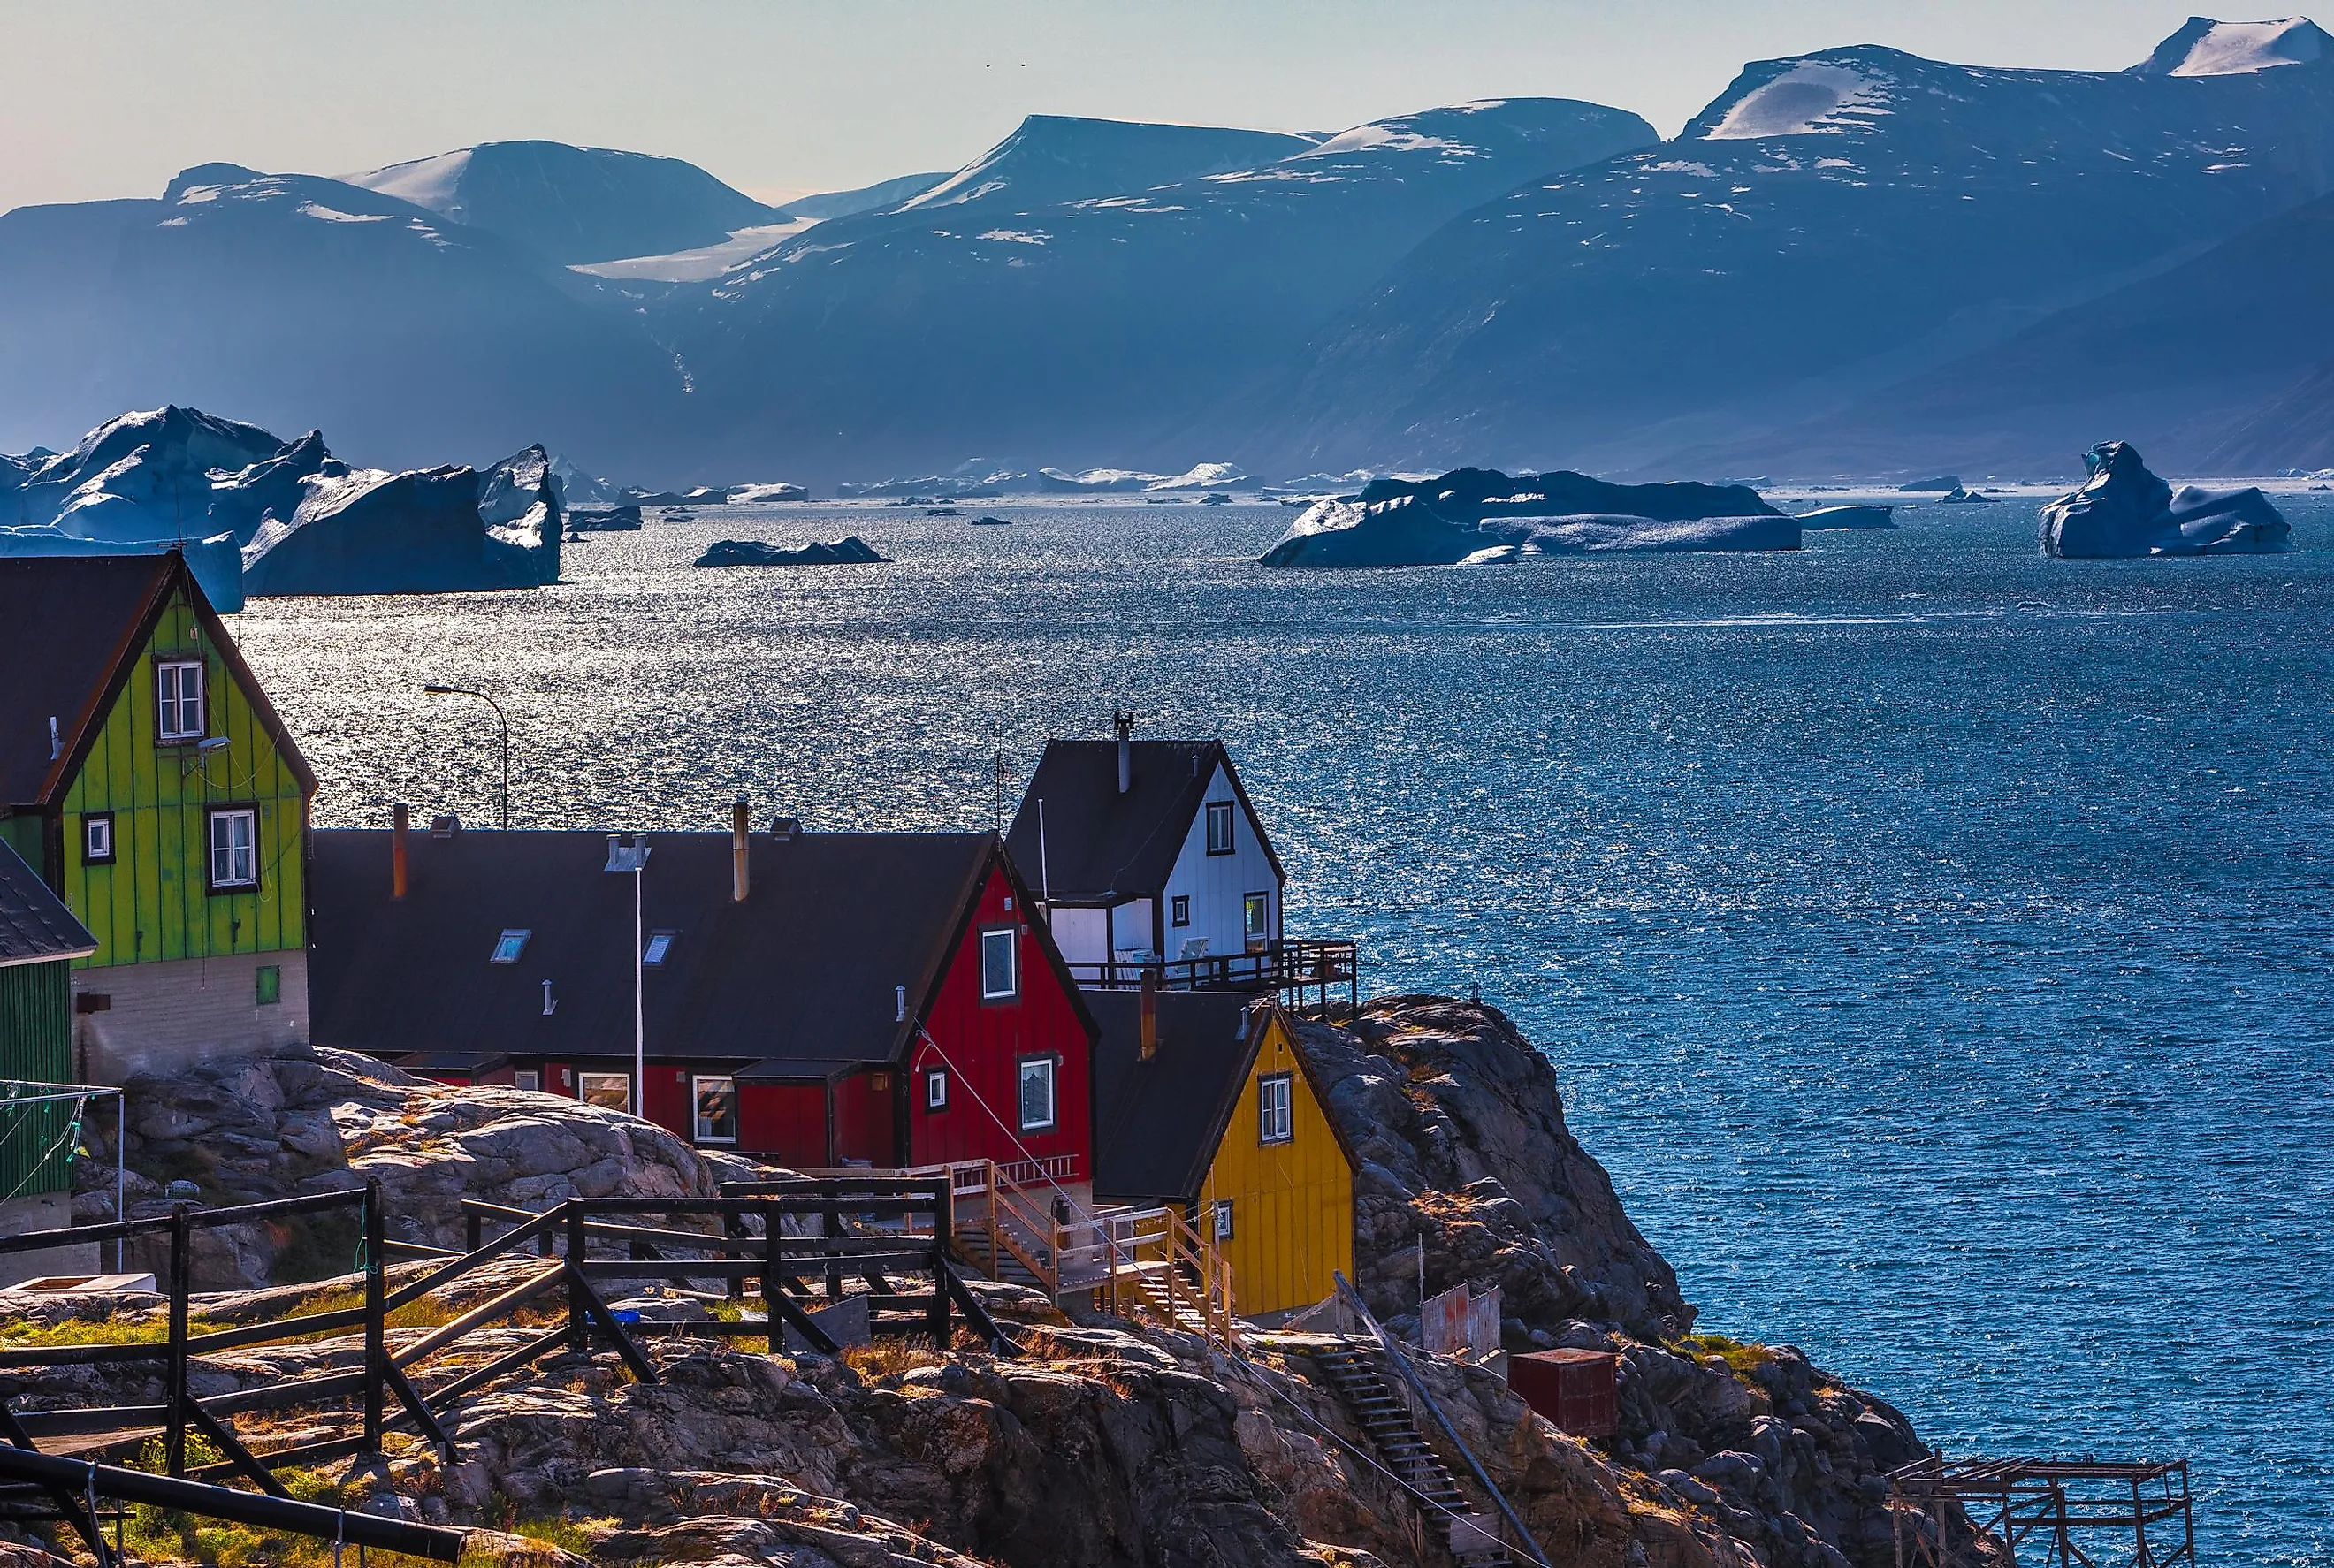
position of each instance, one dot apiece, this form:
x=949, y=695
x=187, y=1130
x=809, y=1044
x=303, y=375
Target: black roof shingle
x=1099, y=846
x=1158, y=1123
x=36, y=926
x=804, y=972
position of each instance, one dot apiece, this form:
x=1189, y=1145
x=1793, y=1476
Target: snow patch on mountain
x=1811, y=98
x=694, y=266
x=431, y=182
x=2208, y=48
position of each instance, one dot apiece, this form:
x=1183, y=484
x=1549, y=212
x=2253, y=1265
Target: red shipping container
x=1579, y=1390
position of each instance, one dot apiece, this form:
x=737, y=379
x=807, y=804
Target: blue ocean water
x=1933, y=939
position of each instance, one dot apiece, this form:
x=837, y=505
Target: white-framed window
x=1219, y=827
x=508, y=946
x=179, y=700
x=716, y=1096
x=528, y=1078
x=609, y=1091
x=234, y=848
x=1275, y=1121
x=1036, y=1093
x=1256, y=918
x=1000, y=963
x=660, y=943
x=1224, y=1217
x=1178, y=909
x=935, y=1089
x=97, y=838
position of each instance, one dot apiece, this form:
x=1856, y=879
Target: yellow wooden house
x=1211, y=1106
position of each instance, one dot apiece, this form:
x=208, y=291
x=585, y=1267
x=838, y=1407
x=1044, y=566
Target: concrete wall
x=47, y=1211
x=163, y=1017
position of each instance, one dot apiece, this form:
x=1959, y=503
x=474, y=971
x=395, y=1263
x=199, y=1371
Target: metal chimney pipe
x=400, y=818
x=1124, y=723
x=1149, y=1015
x=740, y=869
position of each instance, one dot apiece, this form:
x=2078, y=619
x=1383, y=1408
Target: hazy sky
x=108, y=100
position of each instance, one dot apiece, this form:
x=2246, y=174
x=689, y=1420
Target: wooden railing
x=1147, y=1263
x=1303, y=972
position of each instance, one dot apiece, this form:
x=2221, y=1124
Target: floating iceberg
x=851, y=551
x=1824, y=517
x=2123, y=510
x=255, y=514
x=1480, y=515
x=756, y=494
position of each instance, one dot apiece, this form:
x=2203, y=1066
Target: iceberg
x=1479, y=514
x=851, y=550
x=1824, y=517
x=756, y=494
x=2123, y=511
x=367, y=531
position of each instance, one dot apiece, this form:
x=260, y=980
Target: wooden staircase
x=1146, y=1262
x=1404, y=1450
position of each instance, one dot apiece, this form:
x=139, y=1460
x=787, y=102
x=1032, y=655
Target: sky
x=785, y=97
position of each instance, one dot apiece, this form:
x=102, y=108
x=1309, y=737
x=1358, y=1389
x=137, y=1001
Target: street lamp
x=434, y=690
x=634, y=858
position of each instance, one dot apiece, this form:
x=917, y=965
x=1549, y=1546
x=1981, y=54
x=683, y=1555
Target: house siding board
x=864, y=1114
x=983, y=1044
x=1292, y=1203
x=1217, y=884
x=154, y=903
x=36, y=1047
x=785, y=1122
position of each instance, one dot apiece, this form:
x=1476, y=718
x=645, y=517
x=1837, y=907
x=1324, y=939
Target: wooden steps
x=1384, y=1417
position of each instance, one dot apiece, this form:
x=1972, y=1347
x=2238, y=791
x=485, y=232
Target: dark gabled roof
x=36, y=926
x=70, y=626
x=1104, y=847
x=1158, y=1123
x=802, y=971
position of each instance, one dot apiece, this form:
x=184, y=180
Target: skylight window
x=659, y=944
x=508, y=946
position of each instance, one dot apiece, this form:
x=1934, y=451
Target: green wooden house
x=39, y=942
x=145, y=776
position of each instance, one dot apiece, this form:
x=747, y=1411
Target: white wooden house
x=1146, y=851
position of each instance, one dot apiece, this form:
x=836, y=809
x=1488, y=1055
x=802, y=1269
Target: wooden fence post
x=474, y=1231
x=579, y=1308
x=770, y=1288
x=944, y=1227
x=733, y=1228
x=376, y=1346
x=174, y=1422
x=830, y=1224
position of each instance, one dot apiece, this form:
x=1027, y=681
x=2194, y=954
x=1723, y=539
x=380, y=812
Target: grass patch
x=889, y=1356
x=164, y=1535
x=1740, y=1359
x=17, y=1333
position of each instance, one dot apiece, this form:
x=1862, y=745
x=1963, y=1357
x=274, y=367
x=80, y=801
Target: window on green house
x=179, y=693
x=235, y=849
x=271, y=984
x=97, y=838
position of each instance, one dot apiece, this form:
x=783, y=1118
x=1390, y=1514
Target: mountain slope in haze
x=884, y=193
x=2190, y=362
x=1047, y=300
x=304, y=302
x=1831, y=222
x=575, y=204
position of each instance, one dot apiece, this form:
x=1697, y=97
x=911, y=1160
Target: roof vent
x=784, y=827
x=1124, y=723
x=445, y=827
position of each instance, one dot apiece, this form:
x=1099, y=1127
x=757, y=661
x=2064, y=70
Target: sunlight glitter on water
x=1945, y=986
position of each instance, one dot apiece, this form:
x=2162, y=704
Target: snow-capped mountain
x=574, y=204
x=1831, y=222
x=2201, y=356
x=311, y=302
x=1045, y=298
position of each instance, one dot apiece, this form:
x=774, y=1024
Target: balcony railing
x=1301, y=972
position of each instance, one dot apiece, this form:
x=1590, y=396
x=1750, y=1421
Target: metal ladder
x=1363, y=1388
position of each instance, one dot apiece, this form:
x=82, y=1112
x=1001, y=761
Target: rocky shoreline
x=1106, y=1442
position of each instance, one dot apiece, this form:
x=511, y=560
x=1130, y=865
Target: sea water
x=1932, y=938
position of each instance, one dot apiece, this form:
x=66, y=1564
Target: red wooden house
x=818, y=999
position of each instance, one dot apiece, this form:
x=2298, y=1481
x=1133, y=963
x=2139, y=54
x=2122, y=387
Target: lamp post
x=634, y=858
x=434, y=690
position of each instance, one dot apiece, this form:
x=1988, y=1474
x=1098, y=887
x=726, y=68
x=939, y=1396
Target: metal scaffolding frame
x=2057, y=1504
